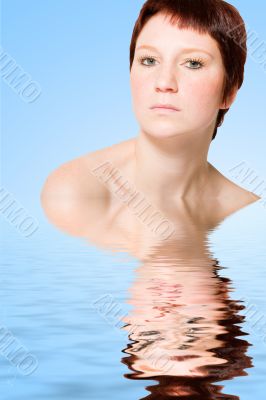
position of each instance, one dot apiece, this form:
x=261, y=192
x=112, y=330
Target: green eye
x=150, y=59
x=197, y=61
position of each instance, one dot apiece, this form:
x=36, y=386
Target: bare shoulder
x=72, y=179
x=233, y=196
x=77, y=177
x=73, y=194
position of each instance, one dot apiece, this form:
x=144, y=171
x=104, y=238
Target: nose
x=166, y=81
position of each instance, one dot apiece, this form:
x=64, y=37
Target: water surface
x=186, y=319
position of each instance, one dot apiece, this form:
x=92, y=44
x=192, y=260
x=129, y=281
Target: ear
x=230, y=99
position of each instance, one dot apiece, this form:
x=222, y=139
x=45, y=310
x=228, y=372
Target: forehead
x=162, y=34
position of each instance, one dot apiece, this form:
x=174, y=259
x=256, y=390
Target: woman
x=187, y=62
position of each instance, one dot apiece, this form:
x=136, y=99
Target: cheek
x=136, y=88
x=140, y=88
x=197, y=96
x=205, y=94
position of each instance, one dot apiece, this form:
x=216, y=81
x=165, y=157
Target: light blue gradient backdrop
x=79, y=54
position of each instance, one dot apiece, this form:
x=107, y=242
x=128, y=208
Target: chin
x=162, y=131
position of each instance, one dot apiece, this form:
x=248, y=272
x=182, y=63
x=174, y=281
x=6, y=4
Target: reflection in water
x=182, y=328
x=183, y=331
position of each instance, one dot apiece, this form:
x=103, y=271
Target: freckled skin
x=197, y=92
x=167, y=161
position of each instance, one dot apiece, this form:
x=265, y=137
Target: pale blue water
x=51, y=288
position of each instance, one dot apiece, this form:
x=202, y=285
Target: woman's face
x=172, y=73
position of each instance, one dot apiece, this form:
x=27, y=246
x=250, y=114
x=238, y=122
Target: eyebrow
x=184, y=50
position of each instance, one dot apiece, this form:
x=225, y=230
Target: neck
x=172, y=168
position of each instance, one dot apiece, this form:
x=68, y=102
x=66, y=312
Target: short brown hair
x=220, y=20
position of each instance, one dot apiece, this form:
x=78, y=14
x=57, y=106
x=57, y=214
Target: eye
x=144, y=58
x=194, y=61
x=197, y=63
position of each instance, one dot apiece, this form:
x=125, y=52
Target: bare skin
x=177, y=300
x=181, y=287
x=167, y=161
x=75, y=201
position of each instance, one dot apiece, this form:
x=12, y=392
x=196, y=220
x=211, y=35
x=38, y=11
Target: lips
x=165, y=106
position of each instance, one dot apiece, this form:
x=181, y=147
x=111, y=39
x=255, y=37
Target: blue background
x=78, y=52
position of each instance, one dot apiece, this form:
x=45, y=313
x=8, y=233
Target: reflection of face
x=170, y=74
x=182, y=323
x=174, y=322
